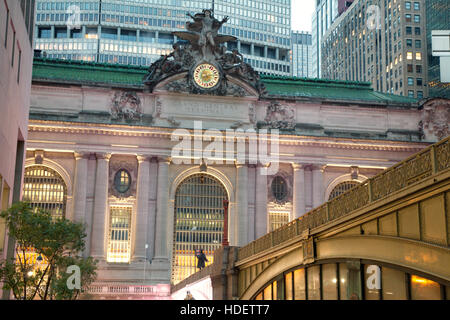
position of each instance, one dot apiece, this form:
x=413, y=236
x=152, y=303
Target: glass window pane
x=288, y=286
x=393, y=284
x=274, y=291
x=329, y=281
x=259, y=296
x=424, y=289
x=372, y=282
x=268, y=292
x=299, y=284
x=343, y=279
x=313, y=283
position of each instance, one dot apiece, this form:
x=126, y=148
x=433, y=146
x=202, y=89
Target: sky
x=301, y=15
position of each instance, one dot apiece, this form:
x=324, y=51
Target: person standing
x=201, y=260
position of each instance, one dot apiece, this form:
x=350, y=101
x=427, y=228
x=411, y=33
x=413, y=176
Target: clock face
x=206, y=75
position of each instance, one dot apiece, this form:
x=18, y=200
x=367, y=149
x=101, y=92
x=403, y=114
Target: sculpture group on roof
x=202, y=43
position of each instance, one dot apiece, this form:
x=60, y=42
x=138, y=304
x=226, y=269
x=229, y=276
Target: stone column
x=242, y=203
x=151, y=224
x=162, y=202
x=79, y=186
x=317, y=181
x=261, y=201
x=252, y=170
x=299, y=203
x=142, y=197
x=100, y=222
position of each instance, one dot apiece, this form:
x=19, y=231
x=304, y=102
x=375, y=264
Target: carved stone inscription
x=190, y=108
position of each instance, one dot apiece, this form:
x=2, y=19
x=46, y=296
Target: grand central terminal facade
x=146, y=158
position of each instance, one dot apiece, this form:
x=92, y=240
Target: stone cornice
x=161, y=132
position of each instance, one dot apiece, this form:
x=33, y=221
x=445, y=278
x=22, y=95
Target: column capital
x=240, y=164
x=162, y=159
x=298, y=166
x=103, y=156
x=82, y=155
x=142, y=158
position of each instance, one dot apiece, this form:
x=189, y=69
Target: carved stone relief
x=126, y=105
x=435, y=119
x=279, y=116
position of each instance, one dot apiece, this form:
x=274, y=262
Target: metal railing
x=426, y=163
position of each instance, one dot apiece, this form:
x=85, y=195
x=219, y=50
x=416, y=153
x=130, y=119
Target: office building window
x=60, y=33
x=6, y=28
x=13, y=49
x=18, y=65
x=44, y=33
x=418, y=68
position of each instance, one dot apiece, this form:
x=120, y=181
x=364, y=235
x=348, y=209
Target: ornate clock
x=206, y=76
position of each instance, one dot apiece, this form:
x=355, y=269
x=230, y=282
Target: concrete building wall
x=15, y=85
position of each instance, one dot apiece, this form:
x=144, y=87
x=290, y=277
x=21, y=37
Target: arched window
x=44, y=188
x=198, y=222
x=342, y=188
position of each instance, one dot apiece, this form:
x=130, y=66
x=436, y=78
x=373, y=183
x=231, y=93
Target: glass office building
x=438, y=18
x=302, y=65
x=138, y=32
x=325, y=13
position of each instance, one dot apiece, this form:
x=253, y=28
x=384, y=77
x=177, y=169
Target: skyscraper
x=138, y=32
x=302, y=54
x=383, y=42
x=438, y=18
x=326, y=12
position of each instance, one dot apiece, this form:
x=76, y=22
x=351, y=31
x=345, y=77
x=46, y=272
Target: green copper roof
x=298, y=88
